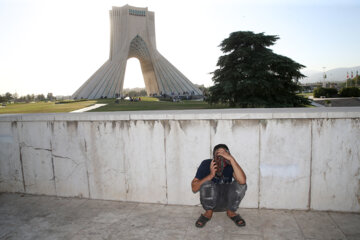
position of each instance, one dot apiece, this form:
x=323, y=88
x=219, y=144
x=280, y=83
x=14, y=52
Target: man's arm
x=196, y=183
x=239, y=174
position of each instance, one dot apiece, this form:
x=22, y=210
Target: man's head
x=220, y=161
x=217, y=147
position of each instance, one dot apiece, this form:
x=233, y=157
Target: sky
x=55, y=46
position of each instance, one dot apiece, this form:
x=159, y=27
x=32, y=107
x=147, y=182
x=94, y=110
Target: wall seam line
x=20, y=155
x=125, y=165
x=22, y=169
x=53, y=166
x=166, y=172
x=87, y=168
x=259, y=172
x=311, y=159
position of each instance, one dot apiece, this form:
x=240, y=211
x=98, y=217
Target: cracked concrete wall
x=285, y=153
x=36, y=157
x=187, y=144
x=335, y=182
x=104, y=144
x=11, y=170
x=291, y=163
x=70, y=159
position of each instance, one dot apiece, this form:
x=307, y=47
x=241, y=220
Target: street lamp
x=324, y=76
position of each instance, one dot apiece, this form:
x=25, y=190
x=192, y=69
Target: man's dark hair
x=221, y=145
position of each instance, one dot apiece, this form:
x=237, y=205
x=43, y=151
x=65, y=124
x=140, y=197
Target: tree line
x=134, y=92
x=9, y=97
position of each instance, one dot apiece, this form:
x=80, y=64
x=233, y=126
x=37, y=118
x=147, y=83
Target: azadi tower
x=133, y=35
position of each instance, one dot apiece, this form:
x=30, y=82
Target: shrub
x=327, y=92
x=349, y=92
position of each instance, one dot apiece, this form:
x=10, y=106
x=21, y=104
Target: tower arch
x=133, y=35
x=139, y=50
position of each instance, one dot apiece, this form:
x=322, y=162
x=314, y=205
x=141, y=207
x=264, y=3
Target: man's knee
x=208, y=195
x=238, y=188
x=236, y=194
x=207, y=190
x=207, y=184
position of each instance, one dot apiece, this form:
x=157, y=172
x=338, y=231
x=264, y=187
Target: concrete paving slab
x=212, y=231
x=176, y=234
x=43, y=217
x=180, y=211
x=318, y=225
x=348, y=223
x=93, y=231
x=353, y=237
x=278, y=224
x=171, y=227
x=253, y=219
x=242, y=237
x=101, y=204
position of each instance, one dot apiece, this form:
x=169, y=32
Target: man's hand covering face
x=221, y=163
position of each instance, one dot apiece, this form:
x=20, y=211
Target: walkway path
x=42, y=217
x=337, y=102
x=89, y=108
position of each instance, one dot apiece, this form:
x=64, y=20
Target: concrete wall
x=293, y=158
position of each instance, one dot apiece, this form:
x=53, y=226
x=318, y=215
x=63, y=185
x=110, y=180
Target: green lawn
x=151, y=104
x=146, y=103
x=44, y=107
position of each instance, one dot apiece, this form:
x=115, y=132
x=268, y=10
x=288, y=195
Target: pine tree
x=249, y=74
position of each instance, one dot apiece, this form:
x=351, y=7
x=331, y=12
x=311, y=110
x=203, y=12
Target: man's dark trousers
x=220, y=197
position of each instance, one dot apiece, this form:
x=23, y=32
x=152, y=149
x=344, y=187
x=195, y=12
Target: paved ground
x=41, y=217
x=339, y=102
x=89, y=108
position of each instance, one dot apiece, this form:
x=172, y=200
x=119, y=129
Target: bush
x=349, y=92
x=327, y=92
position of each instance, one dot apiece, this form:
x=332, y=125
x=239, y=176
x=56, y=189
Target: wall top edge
x=203, y=114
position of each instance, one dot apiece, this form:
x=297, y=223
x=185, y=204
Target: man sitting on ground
x=218, y=191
